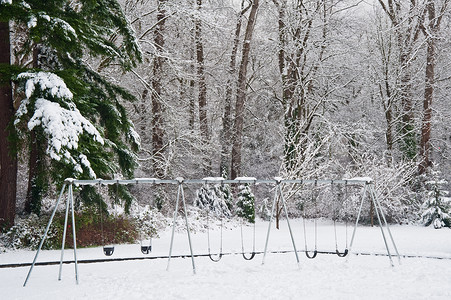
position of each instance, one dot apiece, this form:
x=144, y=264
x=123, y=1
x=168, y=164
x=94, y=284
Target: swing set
x=108, y=250
x=314, y=200
x=220, y=254
x=365, y=183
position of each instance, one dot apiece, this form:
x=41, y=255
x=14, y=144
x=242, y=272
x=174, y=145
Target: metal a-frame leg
x=64, y=236
x=73, y=232
x=378, y=204
x=357, y=221
x=70, y=202
x=181, y=193
x=279, y=190
x=45, y=234
x=379, y=214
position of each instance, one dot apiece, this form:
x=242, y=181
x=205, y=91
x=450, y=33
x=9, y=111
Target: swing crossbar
x=357, y=181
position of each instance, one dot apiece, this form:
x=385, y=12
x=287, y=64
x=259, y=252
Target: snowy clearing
x=325, y=277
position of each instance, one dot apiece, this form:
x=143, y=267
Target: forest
x=305, y=89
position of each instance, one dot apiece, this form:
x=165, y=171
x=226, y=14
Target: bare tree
x=157, y=74
x=241, y=92
x=227, y=116
x=406, y=19
x=431, y=31
x=202, y=97
x=301, y=53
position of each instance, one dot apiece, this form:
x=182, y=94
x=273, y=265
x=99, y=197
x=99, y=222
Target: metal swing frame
x=368, y=186
x=70, y=182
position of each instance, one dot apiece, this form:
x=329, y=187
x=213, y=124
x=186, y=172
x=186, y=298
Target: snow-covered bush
x=265, y=210
x=149, y=221
x=437, y=207
x=392, y=185
x=214, y=198
x=27, y=233
x=246, y=203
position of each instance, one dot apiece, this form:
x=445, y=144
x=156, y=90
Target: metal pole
x=45, y=234
x=64, y=236
x=187, y=229
x=357, y=220
x=382, y=228
x=269, y=226
x=173, y=225
x=73, y=232
x=288, y=222
x=386, y=225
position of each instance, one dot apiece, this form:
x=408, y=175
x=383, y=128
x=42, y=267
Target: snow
x=32, y=22
x=47, y=82
x=246, y=178
x=325, y=277
x=135, y=136
x=366, y=179
x=213, y=179
x=6, y=2
x=65, y=26
x=63, y=126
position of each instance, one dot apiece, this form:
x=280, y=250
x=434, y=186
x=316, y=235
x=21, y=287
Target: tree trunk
x=36, y=161
x=241, y=93
x=157, y=108
x=202, y=97
x=425, y=145
x=8, y=158
x=431, y=33
x=143, y=124
x=408, y=138
x=227, y=116
x=192, y=106
x=35, y=189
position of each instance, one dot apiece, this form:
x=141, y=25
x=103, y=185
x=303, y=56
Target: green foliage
x=409, y=142
x=65, y=32
x=159, y=202
x=71, y=27
x=246, y=203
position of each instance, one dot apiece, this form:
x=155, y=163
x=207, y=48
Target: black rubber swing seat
x=215, y=259
x=311, y=256
x=340, y=254
x=250, y=257
x=146, y=249
x=108, y=251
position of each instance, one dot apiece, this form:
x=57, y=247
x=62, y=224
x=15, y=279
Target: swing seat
x=108, y=250
x=341, y=254
x=146, y=249
x=250, y=257
x=311, y=256
x=215, y=259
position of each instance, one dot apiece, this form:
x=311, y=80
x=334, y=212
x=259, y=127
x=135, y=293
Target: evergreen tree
x=74, y=113
x=437, y=208
x=214, y=198
x=246, y=203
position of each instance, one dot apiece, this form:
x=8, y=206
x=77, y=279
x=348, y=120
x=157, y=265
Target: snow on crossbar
x=218, y=180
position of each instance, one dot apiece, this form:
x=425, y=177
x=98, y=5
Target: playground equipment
x=366, y=183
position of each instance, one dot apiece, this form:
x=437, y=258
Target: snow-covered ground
x=325, y=277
